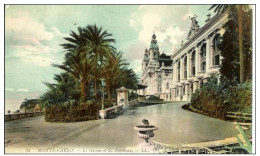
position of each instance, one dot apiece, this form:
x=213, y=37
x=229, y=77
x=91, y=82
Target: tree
x=98, y=47
x=238, y=14
x=65, y=89
x=113, y=72
x=28, y=104
x=80, y=68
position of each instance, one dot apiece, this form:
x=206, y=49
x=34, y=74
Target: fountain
x=145, y=132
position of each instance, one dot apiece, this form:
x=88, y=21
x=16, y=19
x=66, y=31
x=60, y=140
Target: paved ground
x=175, y=126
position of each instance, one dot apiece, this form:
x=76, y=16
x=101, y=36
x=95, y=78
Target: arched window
x=185, y=67
x=216, y=51
x=179, y=73
x=193, y=63
x=203, y=57
x=216, y=42
x=183, y=90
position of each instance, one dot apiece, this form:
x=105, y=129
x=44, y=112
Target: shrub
x=72, y=112
x=217, y=99
x=152, y=97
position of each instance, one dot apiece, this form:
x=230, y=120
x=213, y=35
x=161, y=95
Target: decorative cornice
x=201, y=31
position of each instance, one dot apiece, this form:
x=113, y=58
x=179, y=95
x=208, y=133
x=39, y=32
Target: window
x=216, y=42
x=216, y=52
x=167, y=85
x=183, y=90
x=185, y=67
x=193, y=63
x=177, y=92
x=154, y=54
x=203, y=57
x=216, y=60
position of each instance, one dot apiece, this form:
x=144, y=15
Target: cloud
x=22, y=90
x=17, y=90
x=57, y=32
x=9, y=89
x=23, y=27
x=31, y=40
x=169, y=22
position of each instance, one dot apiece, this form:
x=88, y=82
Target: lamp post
x=103, y=90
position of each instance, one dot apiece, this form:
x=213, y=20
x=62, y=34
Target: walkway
x=175, y=126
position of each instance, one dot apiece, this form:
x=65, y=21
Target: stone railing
x=238, y=116
x=171, y=149
x=9, y=117
x=133, y=102
x=111, y=111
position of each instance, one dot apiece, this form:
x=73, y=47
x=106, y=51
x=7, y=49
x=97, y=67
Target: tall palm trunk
x=83, y=89
x=96, y=75
x=108, y=93
x=240, y=40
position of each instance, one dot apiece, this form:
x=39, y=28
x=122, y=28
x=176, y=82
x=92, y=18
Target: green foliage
x=152, y=97
x=29, y=104
x=229, y=45
x=73, y=111
x=89, y=57
x=217, y=99
x=64, y=90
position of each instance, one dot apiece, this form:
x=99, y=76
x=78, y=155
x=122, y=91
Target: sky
x=33, y=34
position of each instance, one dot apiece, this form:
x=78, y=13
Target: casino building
x=157, y=72
x=176, y=77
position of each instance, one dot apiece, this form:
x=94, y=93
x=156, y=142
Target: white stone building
x=157, y=72
x=196, y=60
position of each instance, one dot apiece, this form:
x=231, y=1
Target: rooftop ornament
x=208, y=17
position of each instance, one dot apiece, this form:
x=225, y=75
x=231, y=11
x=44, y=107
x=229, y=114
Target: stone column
x=188, y=65
x=187, y=91
x=180, y=92
x=173, y=95
x=181, y=68
x=173, y=71
x=208, y=54
x=195, y=86
x=176, y=71
x=197, y=62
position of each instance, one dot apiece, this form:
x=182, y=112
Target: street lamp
x=103, y=90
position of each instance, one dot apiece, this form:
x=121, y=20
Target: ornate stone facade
x=197, y=59
x=157, y=72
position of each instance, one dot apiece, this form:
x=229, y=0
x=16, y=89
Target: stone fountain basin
x=145, y=128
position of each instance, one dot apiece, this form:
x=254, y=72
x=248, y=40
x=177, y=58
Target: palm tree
x=98, y=47
x=65, y=88
x=80, y=68
x=112, y=72
x=220, y=8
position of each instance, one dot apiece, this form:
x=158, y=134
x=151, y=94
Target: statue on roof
x=194, y=27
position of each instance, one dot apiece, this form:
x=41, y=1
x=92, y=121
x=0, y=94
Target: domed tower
x=145, y=60
x=154, y=50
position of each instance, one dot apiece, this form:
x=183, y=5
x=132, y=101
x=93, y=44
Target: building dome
x=154, y=46
x=154, y=43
